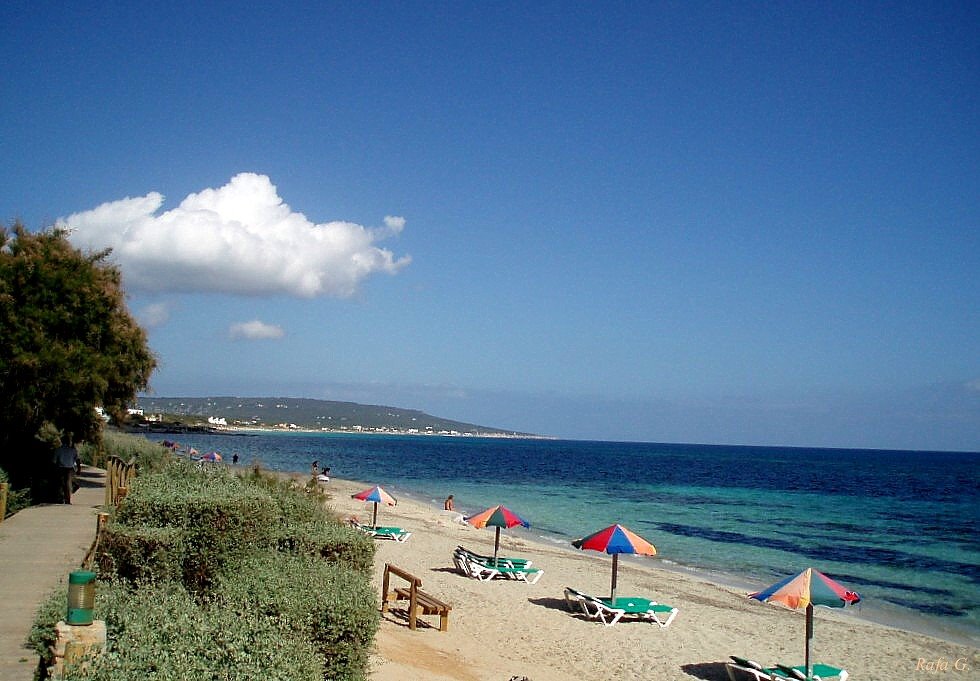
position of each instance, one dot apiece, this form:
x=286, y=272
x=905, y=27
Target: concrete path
x=39, y=547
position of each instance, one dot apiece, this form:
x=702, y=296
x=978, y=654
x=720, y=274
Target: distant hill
x=309, y=414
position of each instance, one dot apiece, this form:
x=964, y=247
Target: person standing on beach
x=315, y=468
x=450, y=505
x=66, y=459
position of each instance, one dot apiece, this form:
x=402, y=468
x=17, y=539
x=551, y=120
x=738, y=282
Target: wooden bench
x=419, y=602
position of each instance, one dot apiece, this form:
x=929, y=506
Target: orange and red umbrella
x=378, y=496
x=496, y=516
x=805, y=590
x=616, y=539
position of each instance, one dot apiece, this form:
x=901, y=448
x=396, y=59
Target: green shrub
x=218, y=576
x=43, y=634
x=220, y=516
x=16, y=498
x=141, y=553
x=306, y=528
x=160, y=632
x=327, y=539
x=327, y=604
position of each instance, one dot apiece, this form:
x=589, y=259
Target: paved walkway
x=39, y=546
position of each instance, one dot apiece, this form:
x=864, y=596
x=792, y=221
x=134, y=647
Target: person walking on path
x=66, y=459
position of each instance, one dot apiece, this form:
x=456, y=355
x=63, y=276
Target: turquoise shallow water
x=898, y=527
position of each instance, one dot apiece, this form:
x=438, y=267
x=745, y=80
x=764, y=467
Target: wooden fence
x=118, y=475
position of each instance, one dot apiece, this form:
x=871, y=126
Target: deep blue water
x=898, y=527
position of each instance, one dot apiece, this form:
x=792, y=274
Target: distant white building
x=217, y=421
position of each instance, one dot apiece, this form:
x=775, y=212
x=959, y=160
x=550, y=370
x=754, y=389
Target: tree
x=67, y=345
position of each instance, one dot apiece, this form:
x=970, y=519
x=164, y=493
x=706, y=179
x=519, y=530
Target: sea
x=898, y=527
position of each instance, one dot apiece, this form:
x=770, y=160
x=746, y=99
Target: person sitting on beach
x=449, y=505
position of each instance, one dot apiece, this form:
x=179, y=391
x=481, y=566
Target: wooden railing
x=100, y=522
x=118, y=475
x=4, y=489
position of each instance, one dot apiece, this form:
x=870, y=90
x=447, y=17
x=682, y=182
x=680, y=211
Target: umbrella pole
x=612, y=591
x=809, y=635
x=496, y=546
x=374, y=522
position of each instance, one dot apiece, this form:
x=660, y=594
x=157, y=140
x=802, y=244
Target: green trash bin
x=81, y=597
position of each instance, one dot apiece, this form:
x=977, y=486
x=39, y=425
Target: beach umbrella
x=616, y=539
x=805, y=590
x=211, y=456
x=378, y=496
x=497, y=517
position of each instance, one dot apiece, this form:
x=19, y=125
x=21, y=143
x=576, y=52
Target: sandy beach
x=506, y=628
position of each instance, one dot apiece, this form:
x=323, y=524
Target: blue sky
x=680, y=222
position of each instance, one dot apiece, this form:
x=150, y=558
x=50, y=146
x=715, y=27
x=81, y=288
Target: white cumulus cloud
x=240, y=238
x=255, y=330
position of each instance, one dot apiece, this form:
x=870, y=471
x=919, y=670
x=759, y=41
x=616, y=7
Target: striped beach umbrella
x=805, y=590
x=377, y=496
x=496, y=516
x=616, y=539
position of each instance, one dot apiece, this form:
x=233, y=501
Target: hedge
x=220, y=516
x=325, y=603
x=204, y=574
x=161, y=632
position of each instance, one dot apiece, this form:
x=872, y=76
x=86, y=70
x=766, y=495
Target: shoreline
x=540, y=639
x=737, y=583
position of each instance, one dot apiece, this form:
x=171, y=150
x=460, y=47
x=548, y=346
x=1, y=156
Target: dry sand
x=507, y=628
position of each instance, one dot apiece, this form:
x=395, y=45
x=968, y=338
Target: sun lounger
x=379, y=532
x=743, y=669
x=504, y=561
x=608, y=613
x=818, y=672
x=484, y=572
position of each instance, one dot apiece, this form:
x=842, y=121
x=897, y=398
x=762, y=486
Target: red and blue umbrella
x=497, y=516
x=616, y=539
x=805, y=590
x=378, y=496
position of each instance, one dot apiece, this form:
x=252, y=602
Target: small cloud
x=240, y=239
x=255, y=330
x=395, y=224
x=154, y=315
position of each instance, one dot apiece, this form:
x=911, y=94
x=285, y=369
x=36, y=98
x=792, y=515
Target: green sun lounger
x=607, y=612
x=486, y=571
x=502, y=561
x=818, y=672
x=380, y=532
x=743, y=669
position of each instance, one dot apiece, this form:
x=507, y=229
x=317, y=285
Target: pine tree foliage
x=67, y=343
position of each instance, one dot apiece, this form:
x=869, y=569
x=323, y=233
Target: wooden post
x=384, y=590
x=110, y=482
x=413, y=601
x=4, y=488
